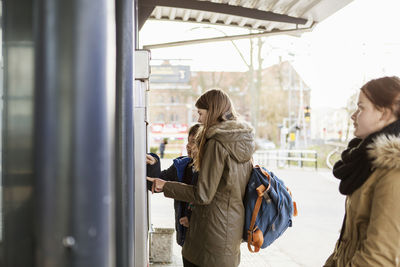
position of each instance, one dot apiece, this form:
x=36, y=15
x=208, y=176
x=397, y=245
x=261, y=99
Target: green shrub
x=153, y=149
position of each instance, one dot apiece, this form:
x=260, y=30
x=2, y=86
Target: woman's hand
x=184, y=221
x=158, y=184
x=150, y=159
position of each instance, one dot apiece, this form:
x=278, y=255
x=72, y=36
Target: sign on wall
x=170, y=74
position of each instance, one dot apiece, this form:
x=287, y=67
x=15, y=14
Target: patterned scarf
x=355, y=167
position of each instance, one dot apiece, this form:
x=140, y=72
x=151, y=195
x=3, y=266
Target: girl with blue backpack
x=223, y=161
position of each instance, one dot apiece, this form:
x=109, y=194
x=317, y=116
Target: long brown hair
x=219, y=108
x=193, y=130
x=384, y=93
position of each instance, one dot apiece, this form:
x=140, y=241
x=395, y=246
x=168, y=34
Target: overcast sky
x=359, y=42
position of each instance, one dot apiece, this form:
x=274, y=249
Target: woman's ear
x=388, y=116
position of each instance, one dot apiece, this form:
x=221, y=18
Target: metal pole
x=74, y=133
x=301, y=159
x=316, y=160
x=125, y=218
x=230, y=38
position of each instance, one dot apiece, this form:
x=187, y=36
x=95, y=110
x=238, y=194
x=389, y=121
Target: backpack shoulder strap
x=254, y=235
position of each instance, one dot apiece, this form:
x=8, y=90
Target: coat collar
x=229, y=127
x=385, y=152
x=237, y=137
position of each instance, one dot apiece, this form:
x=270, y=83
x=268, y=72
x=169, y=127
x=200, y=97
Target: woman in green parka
x=369, y=171
x=226, y=146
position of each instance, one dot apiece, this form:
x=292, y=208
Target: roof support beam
x=226, y=9
x=144, y=12
x=230, y=38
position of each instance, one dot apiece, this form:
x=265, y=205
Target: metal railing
x=286, y=157
x=339, y=147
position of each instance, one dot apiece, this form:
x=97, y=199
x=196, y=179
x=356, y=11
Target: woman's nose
x=353, y=116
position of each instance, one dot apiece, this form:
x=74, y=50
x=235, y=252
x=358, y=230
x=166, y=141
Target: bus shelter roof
x=263, y=17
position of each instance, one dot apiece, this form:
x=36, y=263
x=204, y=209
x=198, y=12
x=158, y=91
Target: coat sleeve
x=210, y=175
x=382, y=245
x=153, y=170
x=169, y=174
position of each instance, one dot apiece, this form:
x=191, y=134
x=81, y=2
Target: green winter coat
x=371, y=234
x=216, y=225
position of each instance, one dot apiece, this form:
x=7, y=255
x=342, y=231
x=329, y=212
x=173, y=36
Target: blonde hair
x=219, y=108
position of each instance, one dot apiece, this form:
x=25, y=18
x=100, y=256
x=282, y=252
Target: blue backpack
x=268, y=207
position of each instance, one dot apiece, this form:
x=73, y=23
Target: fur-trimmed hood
x=385, y=152
x=236, y=136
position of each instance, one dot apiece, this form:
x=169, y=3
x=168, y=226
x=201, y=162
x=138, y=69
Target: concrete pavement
x=313, y=235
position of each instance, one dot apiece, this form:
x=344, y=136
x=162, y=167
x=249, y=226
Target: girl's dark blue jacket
x=180, y=171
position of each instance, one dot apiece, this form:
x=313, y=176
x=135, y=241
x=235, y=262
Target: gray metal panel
x=74, y=133
x=141, y=223
x=17, y=126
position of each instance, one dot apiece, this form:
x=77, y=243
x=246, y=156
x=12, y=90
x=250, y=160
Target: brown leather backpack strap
x=251, y=231
x=255, y=211
x=257, y=241
x=267, y=175
x=294, y=202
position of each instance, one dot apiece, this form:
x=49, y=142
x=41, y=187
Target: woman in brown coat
x=226, y=146
x=370, y=178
